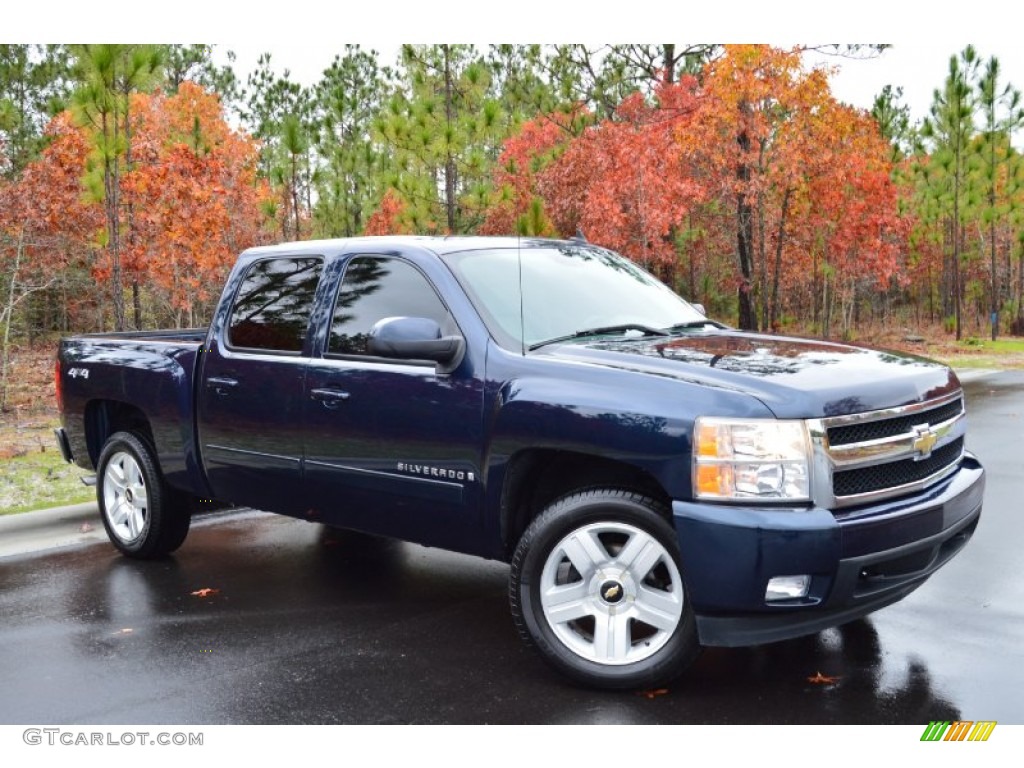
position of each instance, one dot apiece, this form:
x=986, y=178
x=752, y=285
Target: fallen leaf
x=125, y=631
x=652, y=693
x=820, y=679
x=85, y=528
x=205, y=592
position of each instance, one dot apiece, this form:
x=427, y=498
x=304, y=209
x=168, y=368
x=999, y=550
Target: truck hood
x=795, y=378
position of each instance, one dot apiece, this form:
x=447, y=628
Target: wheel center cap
x=611, y=591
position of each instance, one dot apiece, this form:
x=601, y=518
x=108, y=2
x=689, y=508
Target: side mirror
x=415, y=338
x=699, y=308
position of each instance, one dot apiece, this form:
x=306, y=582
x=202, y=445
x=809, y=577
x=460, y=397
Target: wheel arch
x=104, y=418
x=534, y=478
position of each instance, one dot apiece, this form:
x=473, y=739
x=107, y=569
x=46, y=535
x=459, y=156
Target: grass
x=38, y=480
x=972, y=352
x=32, y=473
x=999, y=346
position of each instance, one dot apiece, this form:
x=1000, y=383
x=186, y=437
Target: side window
x=273, y=304
x=376, y=287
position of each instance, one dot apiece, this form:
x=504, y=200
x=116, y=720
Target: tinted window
x=375, y=288
x=273, y=304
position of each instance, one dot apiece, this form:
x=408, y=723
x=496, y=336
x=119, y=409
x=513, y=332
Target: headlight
x=751, y=459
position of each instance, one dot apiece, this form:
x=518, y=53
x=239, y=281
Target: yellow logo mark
x=925, y=440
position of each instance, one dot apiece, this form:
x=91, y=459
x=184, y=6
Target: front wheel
x=597, y=587
x=142, y=516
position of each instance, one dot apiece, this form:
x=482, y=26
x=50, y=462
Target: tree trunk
x=129, y=209
x=1020, y=294
x=957, y=291
x=295, y=195
x=136, y=304
x=994, y=319
x=744, y=230
x=7, y=313
x=692, y=288
x=778, y=258
x=449, y=163
x=825, y=299
x=668, y=62
x=111, y=191
x=762, y=289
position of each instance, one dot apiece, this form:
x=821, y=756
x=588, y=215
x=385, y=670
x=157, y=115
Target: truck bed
x=116, y=379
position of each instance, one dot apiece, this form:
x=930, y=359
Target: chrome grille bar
x=924, y=428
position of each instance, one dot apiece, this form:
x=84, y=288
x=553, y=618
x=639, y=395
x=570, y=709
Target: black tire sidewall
x=546, y=531
x=155, y=539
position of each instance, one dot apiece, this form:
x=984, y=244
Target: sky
x=919, y=68
x=304, y=35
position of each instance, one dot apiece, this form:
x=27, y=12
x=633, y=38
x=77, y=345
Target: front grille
x=882, y=428
x=851, y=482
x=863, y=458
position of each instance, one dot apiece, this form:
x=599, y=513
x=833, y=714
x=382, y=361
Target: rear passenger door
x=251, y=386
x=392, y=446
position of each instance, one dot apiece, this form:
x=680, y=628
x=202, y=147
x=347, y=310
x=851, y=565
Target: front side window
x=273, y=304
x=376, y=287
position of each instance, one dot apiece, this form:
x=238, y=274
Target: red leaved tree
x=389, y=218
x=195, y=197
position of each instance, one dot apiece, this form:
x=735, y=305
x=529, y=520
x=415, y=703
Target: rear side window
x=376, y=287
x=273, y=304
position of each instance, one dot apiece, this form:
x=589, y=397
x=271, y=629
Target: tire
x=596, y=586
x=143, y=518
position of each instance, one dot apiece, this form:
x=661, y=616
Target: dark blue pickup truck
x=657, y=481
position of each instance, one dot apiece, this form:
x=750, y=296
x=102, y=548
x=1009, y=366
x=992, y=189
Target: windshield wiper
x=646, y=329
x=695, y=324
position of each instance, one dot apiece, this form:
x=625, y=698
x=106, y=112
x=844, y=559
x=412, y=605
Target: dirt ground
x=30, y=412
x=32, y=472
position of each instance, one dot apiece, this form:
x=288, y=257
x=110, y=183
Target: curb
x=52, y=528
x=973, y=374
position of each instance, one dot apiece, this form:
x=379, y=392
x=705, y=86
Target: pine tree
x=443, y=130
x=348, y=181
x=949, y=128
x=108, y=74
x=1001, y=114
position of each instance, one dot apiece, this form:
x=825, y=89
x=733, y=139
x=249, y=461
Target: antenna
x=522, y=321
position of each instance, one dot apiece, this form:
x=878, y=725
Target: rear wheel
x=597, y=587
x=142, y=516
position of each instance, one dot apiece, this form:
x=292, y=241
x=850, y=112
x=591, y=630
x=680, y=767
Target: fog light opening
x=787, y=587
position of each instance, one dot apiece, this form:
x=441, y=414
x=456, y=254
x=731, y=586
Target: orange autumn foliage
x=388, y=218
x=190, y=202
x=45, y=203
x=194, y=196
x=755, y=152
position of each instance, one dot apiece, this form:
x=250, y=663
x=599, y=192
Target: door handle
x=221, y=384
x=328, y=396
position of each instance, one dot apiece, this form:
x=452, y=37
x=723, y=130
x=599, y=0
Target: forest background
x=131, y=175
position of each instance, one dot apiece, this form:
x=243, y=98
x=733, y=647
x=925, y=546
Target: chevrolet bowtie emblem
x=612, y=592
x=924, y=440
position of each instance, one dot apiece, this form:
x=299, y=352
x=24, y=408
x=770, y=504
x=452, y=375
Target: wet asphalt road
x=308, y=626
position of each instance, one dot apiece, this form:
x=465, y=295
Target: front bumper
x=859, y=560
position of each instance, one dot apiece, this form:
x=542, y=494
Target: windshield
x=566, y=289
